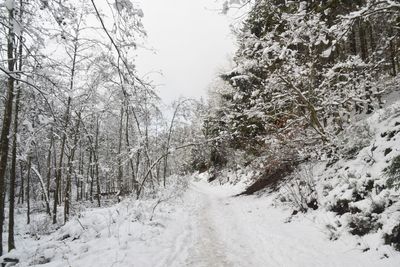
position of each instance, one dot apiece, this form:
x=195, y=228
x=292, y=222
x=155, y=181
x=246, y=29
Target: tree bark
x=68, y=187
x=28, y=185
x=120, y=171
x=135, y=184
x=48, y=175
x=171, y=127
x=11, y=242
x=21, y=189
x=96, y=153
x=59, y=168
x=363, y=41
x=7, y=117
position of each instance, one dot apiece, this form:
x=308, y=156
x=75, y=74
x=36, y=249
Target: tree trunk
x=67, y=190
x=60, y=164
x=120, y=171
x=80, y=172
x=11, y=242
x=45, y=195
x=28, y=185
x=68, y=187
x=363, y=41
x=96, y=153
x=7, y=117
x=21, y=189
x=91, y=175
x=353, y=39
x=48, y=175
x=171, y=127
x=393, y=52
x=88, y=173
x=135, y=184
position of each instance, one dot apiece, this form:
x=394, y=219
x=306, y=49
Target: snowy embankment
x=360, y=191
x=253, y=231
x=204, y=226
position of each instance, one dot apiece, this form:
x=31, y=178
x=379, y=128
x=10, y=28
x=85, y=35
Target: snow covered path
x=225, y=231
x=204, y=227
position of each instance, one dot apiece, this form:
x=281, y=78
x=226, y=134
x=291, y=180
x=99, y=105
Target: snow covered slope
x=358, y=193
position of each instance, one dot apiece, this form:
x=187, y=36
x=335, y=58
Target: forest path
x=247, y=231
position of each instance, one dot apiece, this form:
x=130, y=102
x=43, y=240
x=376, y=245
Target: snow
x=250, y=231
x=367, y=147
x=10, y=4
x=207, y=224
x=203, y=225
x=327, y=53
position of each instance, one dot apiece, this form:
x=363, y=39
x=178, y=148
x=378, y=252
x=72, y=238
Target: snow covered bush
x=393, y=238
x=40, y=225
x=393, y=173
x=362, y=224
x=354, y=140
x=300, y=189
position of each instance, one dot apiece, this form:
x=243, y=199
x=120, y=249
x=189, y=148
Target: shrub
x=378, y=207
x=393, y=238
x=40, y=225
x=363, y=224
x=341, y=206
x=393, y=173
x=301, y=189
x=355, y=140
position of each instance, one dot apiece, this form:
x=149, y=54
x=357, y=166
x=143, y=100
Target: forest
x=304, y=120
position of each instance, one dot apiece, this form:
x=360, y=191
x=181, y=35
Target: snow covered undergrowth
x=131, y=233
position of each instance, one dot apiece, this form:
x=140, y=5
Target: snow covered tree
x=303, y=68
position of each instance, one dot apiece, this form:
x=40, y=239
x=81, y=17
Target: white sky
x=191, y=41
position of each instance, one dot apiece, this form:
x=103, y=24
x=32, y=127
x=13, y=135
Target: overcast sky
x=191, y=41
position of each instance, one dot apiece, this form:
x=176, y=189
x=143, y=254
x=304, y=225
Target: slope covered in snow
x=360, y=189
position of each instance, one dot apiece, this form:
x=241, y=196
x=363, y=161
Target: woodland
x=81, y=129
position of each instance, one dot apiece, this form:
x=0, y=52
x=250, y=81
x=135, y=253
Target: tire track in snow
x=208, y=250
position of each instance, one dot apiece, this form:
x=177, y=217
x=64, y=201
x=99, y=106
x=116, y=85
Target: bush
x=355, y=139
x=301, y=189
x=393, y=173
x=341, y=206
x=393, y=238
x=363, y=224
x=378, y=207
x=41, y=225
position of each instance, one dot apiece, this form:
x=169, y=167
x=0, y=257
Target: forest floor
x=204, y=226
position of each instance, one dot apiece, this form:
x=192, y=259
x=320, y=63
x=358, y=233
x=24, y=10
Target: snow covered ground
x=202, y=227
x=249, y=231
